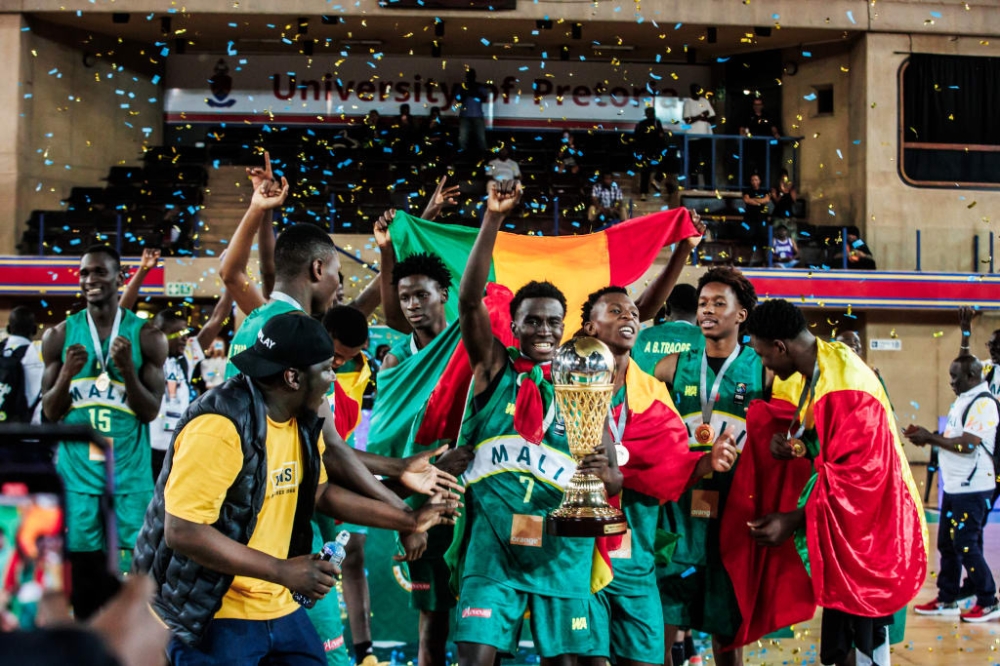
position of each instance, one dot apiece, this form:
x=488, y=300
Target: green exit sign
x=180, y=289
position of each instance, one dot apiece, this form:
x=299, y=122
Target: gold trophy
x=582, y=373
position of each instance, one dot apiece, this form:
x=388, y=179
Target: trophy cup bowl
x=583, y=374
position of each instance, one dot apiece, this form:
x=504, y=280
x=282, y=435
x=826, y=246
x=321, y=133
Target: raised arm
x=443, y=196
x=965, y=315
x=220, y=314
x=394, y=317
x=234, y=264
x=368, y=300
x=485, y=352
x=148, y=262
x=655, y=295
x=265, y=234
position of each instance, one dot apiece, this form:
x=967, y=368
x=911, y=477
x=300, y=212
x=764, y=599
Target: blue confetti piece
x=722, y=60
x=678, y=26
x=164, y=52
x=840, y=154
x=850, y=17
x=485, y=41
x=916, y=405
x=807, y=54
x=688, y=572
x=810, y=97
x=936, y=14
x=858, y=243
x=832, y=212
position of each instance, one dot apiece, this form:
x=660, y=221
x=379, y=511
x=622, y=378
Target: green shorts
x=325, y=616
x=700, y=598
x=85, y=524
x=430, y=588
x=636, y=626
x=491, y=613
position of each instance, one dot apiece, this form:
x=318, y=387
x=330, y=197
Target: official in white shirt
x=21, y=331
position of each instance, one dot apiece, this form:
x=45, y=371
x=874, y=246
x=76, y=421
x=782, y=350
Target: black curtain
x=956, y=100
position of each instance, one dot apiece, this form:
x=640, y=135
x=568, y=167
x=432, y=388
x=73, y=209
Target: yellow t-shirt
x=207, y=459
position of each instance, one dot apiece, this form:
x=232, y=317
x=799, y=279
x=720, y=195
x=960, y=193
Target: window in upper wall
x=824, y=100
x=949, y=121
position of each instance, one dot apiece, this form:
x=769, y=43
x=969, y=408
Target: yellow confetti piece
x=938, y=334
x=972, y=205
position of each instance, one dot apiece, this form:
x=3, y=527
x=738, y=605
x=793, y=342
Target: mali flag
x=578, y=265
x=865, y=528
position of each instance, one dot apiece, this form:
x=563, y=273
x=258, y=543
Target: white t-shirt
x=178, y=395
x=970, y=472
x=33, y=370
x=504, y=169
x=988, y=369
x=693, y=108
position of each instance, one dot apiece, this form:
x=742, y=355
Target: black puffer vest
x=188, y=595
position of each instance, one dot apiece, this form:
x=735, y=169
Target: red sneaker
x=937, y=608
x=981, y=613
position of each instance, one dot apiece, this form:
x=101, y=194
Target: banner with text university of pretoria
x=340, y=89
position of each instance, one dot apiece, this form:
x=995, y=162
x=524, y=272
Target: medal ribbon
x=103, y=361
x=618, y=429
x=708, y=402
x=804, y=399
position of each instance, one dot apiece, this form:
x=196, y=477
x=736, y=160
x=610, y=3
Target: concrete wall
x=79, y=119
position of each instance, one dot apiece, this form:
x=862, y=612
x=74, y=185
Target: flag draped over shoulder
x=864, y=522
x=404, y=389
x=578, y=265
x=772, y=587
x=660, y=461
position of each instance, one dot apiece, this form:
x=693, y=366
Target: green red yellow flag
x=578, y=265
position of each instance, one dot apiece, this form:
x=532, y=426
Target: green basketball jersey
x=246, y=334
x=82, y=465
x=511, y=485
x=673, y=337
x=405, y=348
x=695, y=515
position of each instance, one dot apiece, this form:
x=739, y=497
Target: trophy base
x=586, y=522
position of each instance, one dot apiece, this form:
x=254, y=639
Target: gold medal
x=704, y=434
x=103, y=382
x=798, y=447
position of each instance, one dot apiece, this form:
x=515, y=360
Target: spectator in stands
x=404, y=133
x=502, y=169
x=566, y=159
x=786, y=252
x=470, y=117
x=784, y=197
x=606, y=203
x=380, y=353
x=21, y=331
x=699, y=114
x=755, y=201
x=859, y=255
x=436, y=132
x=760, y=125
x=648, y=139
x=375, y=133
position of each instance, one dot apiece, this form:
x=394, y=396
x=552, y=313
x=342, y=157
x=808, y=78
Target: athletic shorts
x=701, y=598
x=491, y=613
x=430, y=580
x=85, y=523
x=325, y=617
x=636, y=626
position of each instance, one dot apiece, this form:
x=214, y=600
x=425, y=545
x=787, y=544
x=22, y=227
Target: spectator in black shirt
x=649, y=146
x=859, y=255
x=761, y=126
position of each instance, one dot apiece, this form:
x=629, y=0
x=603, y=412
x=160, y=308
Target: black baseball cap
x=289, y=340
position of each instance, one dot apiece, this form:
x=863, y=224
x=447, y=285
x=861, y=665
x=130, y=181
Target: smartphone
x=35, y=579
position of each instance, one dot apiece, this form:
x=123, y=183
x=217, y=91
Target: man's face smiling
x=100, y=277
x=614, y=320
x=719, y=311
x=538, y=326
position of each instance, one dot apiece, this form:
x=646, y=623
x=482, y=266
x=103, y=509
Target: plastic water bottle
x=332, y=551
